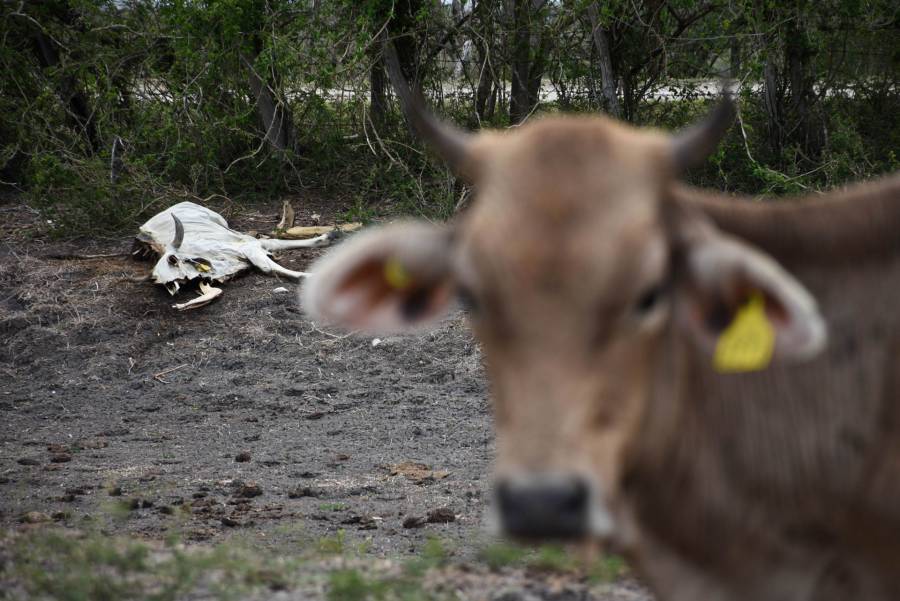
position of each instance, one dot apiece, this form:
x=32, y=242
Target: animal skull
x=195, y=243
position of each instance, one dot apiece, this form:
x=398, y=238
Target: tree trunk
x=607, y=75
x=772, y=99
x=521, y=51
x=485, y=83
x=377, y=87
x=527, y=64
x=484, y=89
x=806, y=131
x=403, y=30
x=400, y=27
x=274, y=116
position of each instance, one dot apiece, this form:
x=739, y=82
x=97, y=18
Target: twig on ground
x=335, y=336
x=81, y=257
x=158, y=376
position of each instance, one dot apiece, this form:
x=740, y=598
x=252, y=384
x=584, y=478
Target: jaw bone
x=208, y=294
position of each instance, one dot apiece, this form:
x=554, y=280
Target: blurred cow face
x=578, y=274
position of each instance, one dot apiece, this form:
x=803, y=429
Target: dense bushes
x=257, y=98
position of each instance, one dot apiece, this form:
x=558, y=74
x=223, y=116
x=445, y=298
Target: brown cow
x=599, y=286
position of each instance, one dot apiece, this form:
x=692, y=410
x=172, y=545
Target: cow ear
x=741, y=304
x=386, y=279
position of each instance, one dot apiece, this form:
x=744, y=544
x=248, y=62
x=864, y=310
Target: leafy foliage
x=256, y=98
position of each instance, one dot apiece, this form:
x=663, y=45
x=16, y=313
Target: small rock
x=76, y=490
x=167, y=510
x=115, y=432
x=306, y=475
x=515, y=595
x=368, y=522
x=28, y=461
x=92, y=443
x=200, y=495
x=303, y=491
x=58, y=448
x=416, y=472
x=248, y=490
x=61, y=458
x=58, y=516
x=138, y=503
x=414, y=521
x=442, y=515
x=35, y=517
x=115, y=491
x=242, y=457
x=202, y=504
x=229, y=521
x=4, y=480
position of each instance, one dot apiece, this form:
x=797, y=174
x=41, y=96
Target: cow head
x=174, y=267
x=581, y=278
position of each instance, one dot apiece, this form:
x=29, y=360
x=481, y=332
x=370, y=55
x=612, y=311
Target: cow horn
x=692, y=145
x=179, y=233
x=450, y=143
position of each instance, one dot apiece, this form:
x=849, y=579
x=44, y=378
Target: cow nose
x=544, y=507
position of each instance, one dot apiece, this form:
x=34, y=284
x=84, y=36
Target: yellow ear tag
x=748, y=343
x=202, y=267
x=396, y=275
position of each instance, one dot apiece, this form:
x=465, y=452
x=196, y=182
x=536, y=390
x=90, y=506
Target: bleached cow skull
x=195, y=243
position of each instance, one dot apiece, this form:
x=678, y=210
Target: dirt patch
x=243, y=419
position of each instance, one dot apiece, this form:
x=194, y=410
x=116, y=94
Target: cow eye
x=650, y=298
x=173, y=260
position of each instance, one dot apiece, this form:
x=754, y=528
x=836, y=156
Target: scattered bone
x=207, y=295
x=318, y=230
x=287, y=217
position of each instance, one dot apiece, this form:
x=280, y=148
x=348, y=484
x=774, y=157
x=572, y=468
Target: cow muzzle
x=551, y=507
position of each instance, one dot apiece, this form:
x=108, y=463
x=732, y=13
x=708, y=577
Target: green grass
x=551, y=558
x=68, y=565
x=55, y=564
x=354, y=585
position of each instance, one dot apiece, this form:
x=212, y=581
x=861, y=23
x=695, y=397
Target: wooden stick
x=298, y=232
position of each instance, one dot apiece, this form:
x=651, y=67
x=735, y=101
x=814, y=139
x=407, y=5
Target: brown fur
x=761, y=486
x=780, y=484
x=857, y=222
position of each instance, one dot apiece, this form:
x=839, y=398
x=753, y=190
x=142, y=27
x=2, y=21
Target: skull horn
x=179, y=233
x=691, y=146
x=450, y=143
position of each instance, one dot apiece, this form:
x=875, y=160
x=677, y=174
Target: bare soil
x=241, y=419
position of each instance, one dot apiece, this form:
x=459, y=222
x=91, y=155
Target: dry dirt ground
x=242, y=420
